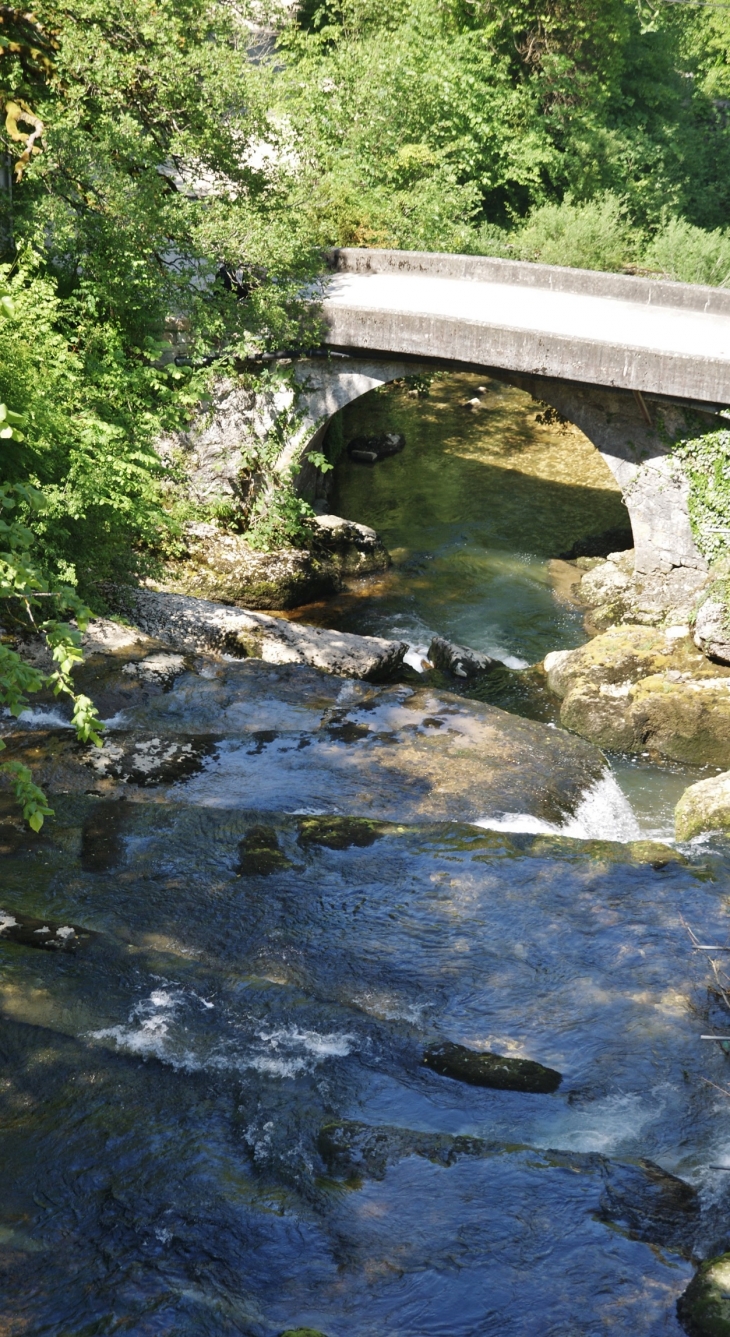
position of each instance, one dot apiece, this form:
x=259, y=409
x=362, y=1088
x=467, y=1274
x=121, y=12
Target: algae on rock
x=704, y=806
x=637, y=689
x=704, y=1308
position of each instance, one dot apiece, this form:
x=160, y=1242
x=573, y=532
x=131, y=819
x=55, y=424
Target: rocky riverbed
x=339, y=998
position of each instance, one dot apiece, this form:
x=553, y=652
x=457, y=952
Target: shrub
x=594, y=235
x=689, y=254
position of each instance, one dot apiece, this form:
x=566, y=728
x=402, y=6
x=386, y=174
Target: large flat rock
x=195, y=625
x=290, y=737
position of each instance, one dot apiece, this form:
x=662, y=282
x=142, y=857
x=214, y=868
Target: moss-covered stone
x=259, y=853
x=223, y=567
x=704, y=1309
x=339, y=833
x=302, y=1332
x=704, y=806
x=637, y=688
x=487, y=1069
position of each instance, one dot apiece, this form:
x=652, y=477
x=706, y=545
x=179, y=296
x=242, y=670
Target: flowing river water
x=214, y=1114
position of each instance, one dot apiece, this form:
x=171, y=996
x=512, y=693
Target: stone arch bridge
x=635, y=363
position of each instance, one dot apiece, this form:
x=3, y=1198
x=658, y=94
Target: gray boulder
x=711, y=630
x=459, y=660
x=188, y=624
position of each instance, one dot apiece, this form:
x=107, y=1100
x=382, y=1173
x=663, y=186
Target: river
x=214, y=1115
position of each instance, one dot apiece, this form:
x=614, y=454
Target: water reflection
x=472, y=511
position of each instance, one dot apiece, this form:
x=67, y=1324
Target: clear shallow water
x=259, y=990
x=164, y=1091
x=472, y=511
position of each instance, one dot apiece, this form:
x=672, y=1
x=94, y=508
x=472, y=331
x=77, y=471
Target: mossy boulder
x=340, y=833
x=638, y=689
x=302, y=1332
x=259, y=853
x=704, y=1309
x=480, y=1068
x=704, y=806
x=353, y=549
x=222, y=566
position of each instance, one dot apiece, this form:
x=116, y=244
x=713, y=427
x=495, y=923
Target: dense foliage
x=172, y=170
x=445, y=124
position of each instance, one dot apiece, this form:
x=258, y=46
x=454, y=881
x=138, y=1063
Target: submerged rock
x=459, y=660
x=41, y=933
x=195, y=624
x=704, y=1308
x=637, y=689
x=711, y=630
x=704, y=806
x=480, y=1068
x=646, y=1201
x=371, y=449
x=259, y=853
x=339, y=833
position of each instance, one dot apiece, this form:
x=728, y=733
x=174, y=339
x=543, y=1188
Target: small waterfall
x=604, y=813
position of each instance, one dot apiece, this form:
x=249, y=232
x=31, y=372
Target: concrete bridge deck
x=614, y=330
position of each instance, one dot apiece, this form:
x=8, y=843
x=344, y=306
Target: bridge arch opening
x=491, y=489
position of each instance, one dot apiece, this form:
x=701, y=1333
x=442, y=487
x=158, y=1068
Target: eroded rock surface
x=636, y=689
x=192, y=625
x=293, y=737
x=615, y=590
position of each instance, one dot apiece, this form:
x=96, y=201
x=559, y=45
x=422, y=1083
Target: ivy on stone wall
x=706, y=462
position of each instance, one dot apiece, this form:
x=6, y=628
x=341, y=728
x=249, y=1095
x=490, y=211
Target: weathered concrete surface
x=191, y=625
x=603, y=329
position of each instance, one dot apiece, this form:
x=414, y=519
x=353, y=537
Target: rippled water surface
x=215, y=1117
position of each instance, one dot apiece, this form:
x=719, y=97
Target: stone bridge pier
x=634, y=432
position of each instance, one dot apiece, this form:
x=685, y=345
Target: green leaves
x=10, y=423
x=31, y=799
x=34, y=605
